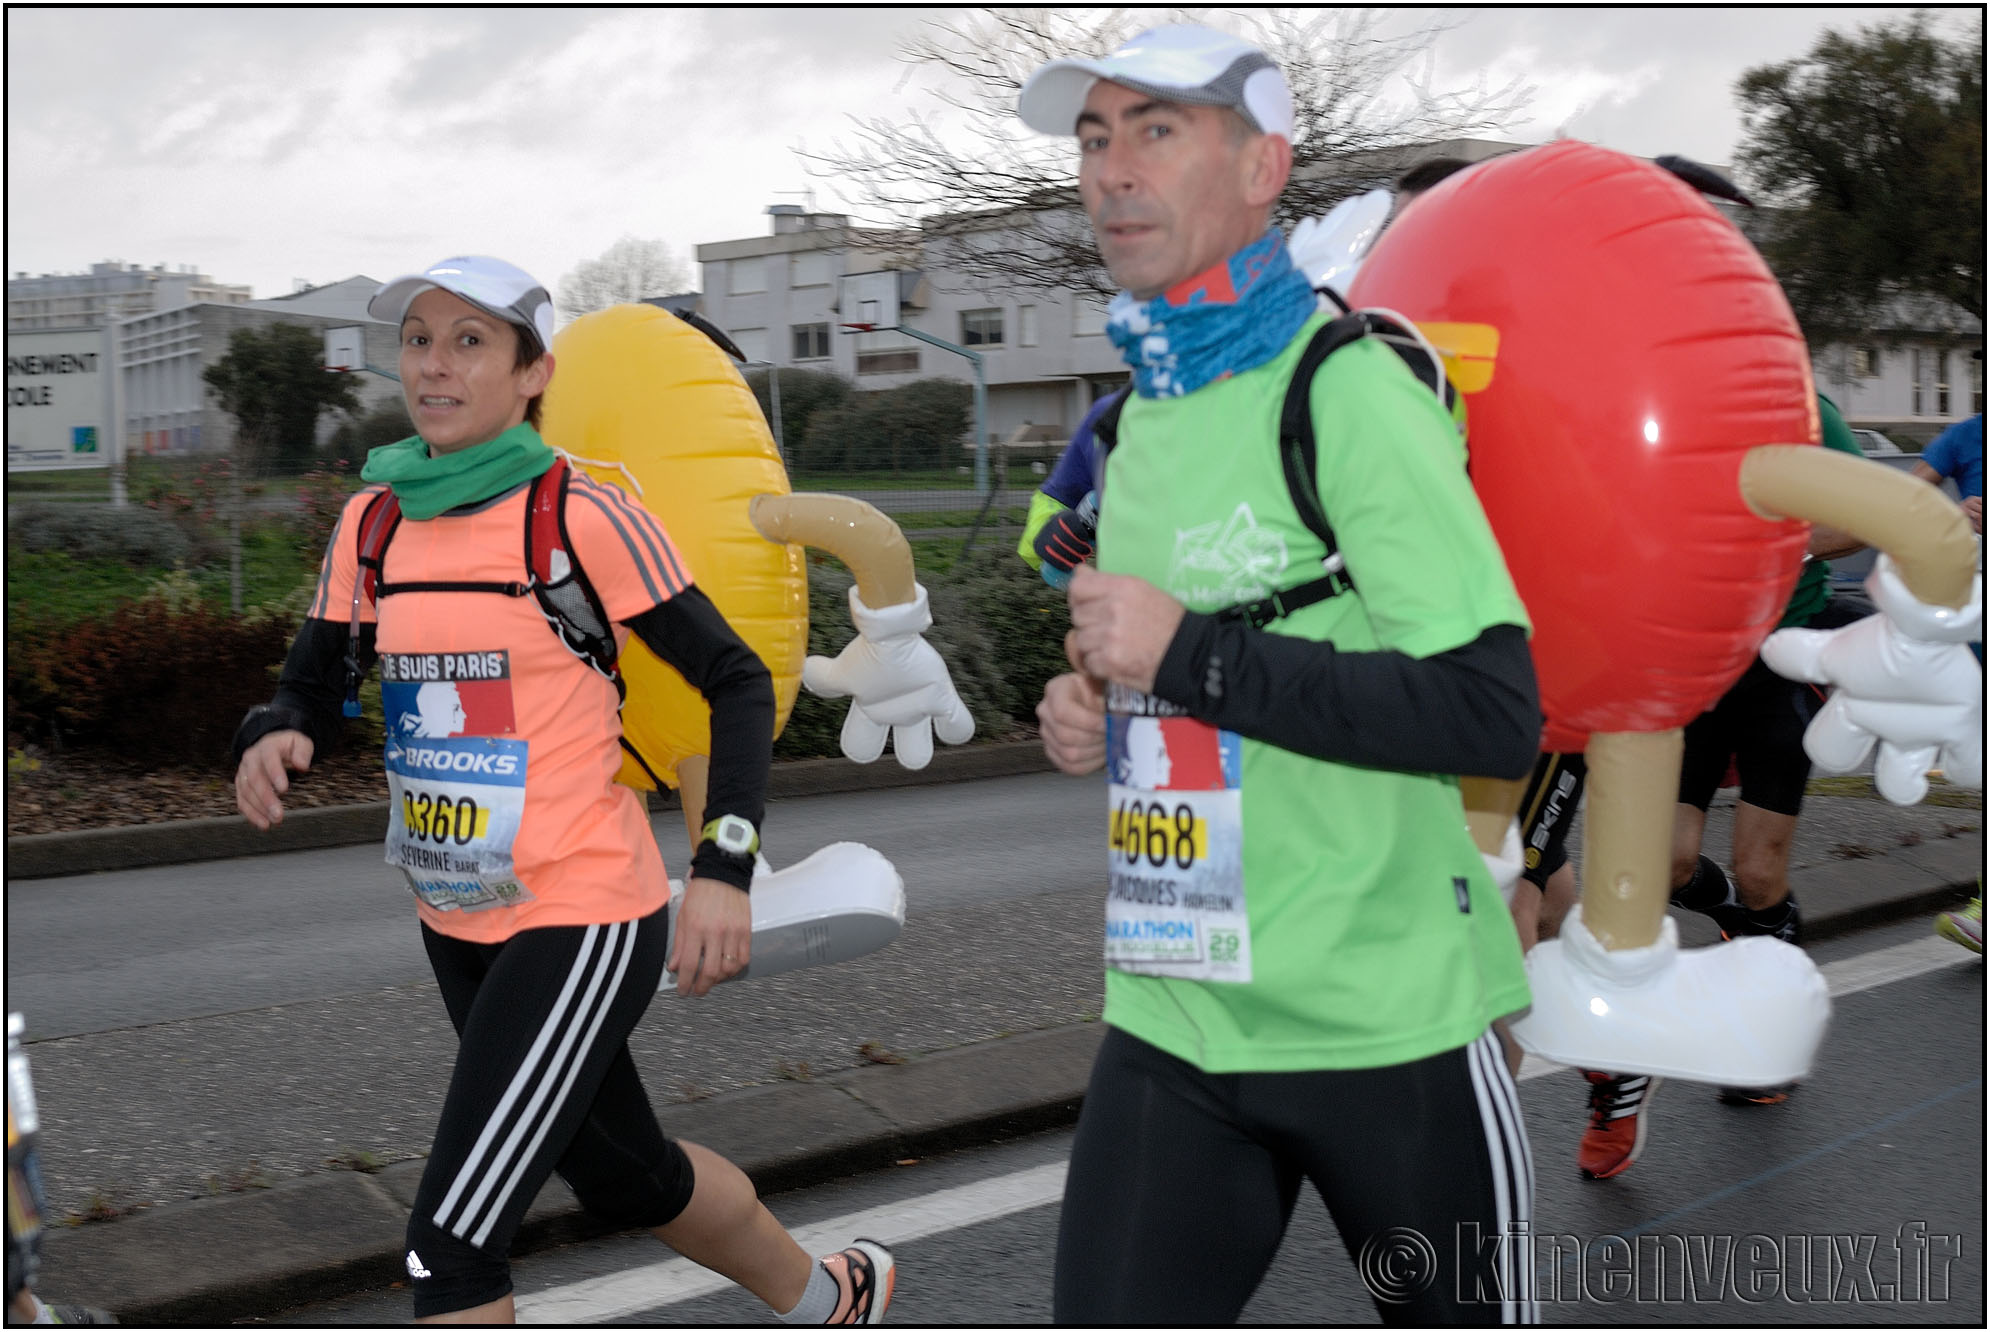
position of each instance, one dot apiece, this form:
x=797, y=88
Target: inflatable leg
x=1615, y=992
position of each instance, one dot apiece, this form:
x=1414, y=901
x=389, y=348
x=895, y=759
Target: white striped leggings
x=543, y=1080
x=1182, y=1182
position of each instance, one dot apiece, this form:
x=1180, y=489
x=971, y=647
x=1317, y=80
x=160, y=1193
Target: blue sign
x=83, y=439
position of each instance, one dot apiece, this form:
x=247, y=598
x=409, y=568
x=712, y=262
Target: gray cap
x=1182, y=63
x=492, y=285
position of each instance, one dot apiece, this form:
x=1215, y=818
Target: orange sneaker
x=865, y=1276
x=1616, y=1132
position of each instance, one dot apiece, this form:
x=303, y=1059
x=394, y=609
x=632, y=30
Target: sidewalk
x=218, y=1259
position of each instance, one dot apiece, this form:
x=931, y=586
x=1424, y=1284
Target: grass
x=1940, y=792
x=72, y=483
x=52, y=587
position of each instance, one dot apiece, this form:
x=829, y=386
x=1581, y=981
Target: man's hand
x=1972, y=508
x=1072, y=717
x=261, y=781
x=1121, y=626
x=714, y=939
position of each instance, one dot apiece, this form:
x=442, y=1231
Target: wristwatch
x=733, y=835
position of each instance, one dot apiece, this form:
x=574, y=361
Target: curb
x=214, y=1261
x=140, y=846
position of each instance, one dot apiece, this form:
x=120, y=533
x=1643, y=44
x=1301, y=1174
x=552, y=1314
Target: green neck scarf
x=427, y=486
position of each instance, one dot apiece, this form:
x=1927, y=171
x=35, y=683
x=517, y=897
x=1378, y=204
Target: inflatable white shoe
x=844, y=901
x=1748, y=1013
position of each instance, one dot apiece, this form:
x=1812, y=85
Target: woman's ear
x=537, y=376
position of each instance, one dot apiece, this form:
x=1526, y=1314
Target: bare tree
x=1002, y=199
x=627, y=271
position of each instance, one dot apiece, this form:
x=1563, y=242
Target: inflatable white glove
x=1329, y=249
x=1902, y=677
x=894, y=679
x=1505, y=867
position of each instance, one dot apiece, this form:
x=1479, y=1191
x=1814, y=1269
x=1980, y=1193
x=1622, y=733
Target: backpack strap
x=377, y=522
x=1298, y=449
x=565, y=596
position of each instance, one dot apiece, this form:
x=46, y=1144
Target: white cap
x=492, y=285
x=1184, y=63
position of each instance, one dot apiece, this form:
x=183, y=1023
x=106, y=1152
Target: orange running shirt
x=502, y=746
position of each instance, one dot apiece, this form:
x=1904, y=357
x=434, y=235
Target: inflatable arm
x=892, y=675
x=1903, y=677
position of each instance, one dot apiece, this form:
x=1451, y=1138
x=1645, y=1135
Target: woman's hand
x=261, y=781
x=714, y=937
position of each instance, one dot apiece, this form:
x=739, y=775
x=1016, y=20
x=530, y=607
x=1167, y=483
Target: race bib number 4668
x=1175, y=902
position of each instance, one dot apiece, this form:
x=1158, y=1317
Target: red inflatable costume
x=1628, y=348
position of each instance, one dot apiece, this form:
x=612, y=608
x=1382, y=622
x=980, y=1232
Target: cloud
x=263, y=144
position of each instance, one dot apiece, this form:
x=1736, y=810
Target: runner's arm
x=688, y=632
x=310, y=694
x=1473, y=711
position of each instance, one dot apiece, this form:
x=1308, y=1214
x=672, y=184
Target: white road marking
x=602, y=1298
x=1848, y=975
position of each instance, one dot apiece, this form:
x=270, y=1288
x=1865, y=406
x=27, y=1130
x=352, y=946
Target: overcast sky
x=264, y=146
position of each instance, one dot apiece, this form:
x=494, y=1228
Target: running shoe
x=1616, y=1132
x=864, y=1277
x=1757, y=1095
x=1965, y=926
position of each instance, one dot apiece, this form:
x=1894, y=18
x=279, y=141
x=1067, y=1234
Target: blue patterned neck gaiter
x=1233, y=317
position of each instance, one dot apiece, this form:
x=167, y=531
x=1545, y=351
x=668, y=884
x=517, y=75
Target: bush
x=387, y=423
x=140, y=537
x=803, y=394
x=321, y=497
x=917, y=426
x=163, y=680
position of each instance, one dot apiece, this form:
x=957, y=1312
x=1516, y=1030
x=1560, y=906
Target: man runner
x=1305, y=952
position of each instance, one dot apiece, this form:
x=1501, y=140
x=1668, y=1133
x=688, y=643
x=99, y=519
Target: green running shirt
x=1375, y=934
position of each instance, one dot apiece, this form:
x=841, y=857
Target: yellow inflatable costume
x=643, y=400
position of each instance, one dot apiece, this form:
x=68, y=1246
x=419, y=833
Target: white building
x=1919, y=370
x=1046, y=354
x=80, y=300
x=168, y=408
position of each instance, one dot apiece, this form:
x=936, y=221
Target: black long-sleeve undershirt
x=686, y=631
x=1472, y=711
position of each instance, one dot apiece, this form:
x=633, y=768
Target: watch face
x=733, y=834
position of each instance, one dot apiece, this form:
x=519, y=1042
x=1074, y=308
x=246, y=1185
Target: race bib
x=456, y=783
x=1175, y=901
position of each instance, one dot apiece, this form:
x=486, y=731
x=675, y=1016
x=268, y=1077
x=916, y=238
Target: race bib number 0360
x=457, y=805
x=1175, y=901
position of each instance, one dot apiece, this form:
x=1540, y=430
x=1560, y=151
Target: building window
x=1026, y=325
x=1923, y=382
x=746, y=276
x=981, y=328
x=1941, y=382
x=811, y=341
x=752, y=342
x=1975, y=382
x=809, y=269
x=1088, y=317
x=885, y=352
x=1865, y=362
